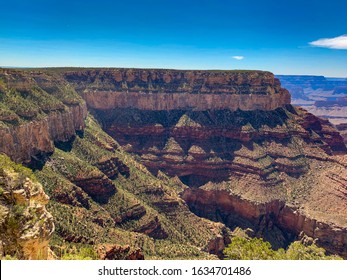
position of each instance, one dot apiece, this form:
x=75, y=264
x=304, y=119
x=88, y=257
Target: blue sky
x=280, y=36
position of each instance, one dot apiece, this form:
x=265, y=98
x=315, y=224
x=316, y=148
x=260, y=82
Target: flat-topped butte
x=160, y=89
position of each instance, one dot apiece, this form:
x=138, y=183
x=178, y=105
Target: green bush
x=242, y=248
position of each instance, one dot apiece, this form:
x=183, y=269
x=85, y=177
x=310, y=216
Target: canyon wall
x=250, y=159
x=247, y=156
x=32, y=139
x=275, y=220
x=37, y=109
x=148, y=89
x=185, y=101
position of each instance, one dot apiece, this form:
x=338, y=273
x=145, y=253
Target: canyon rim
x=163, y=164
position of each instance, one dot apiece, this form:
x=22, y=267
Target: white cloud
x=238, y=57
x=339, y=43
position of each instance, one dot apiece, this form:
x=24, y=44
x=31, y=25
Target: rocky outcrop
x=177, y=89
x=118, y=252
x=275, y=220
x=112, y=166
x=153, y=229
x=37, y=109
x=343, y=131
x=248, y=158
x=174, y=101
x=217, y=244
x=134, y=212
x=30, y=140
x=99, y=187
x=25, y=225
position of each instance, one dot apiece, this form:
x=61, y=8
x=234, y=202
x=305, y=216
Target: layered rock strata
x=30, y=140
x=37, y=109
x=343, y=130
x=250, y=158
x=157, y=90
x=25, y=225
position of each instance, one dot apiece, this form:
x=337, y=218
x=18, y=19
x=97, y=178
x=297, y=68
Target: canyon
x=321, y=96
x=212, y=151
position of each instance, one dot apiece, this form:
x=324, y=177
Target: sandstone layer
x=176, y=101
x=176, y=89
x=246, y=156
x=25, y=225
x=233, y=139
x=31, y=140
x=36, y=111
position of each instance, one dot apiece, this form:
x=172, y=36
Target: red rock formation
x=135, y=212
x=112, y=166
x=250, y=158
x=174, y=81
x=177, y=89
x=343, y=131
x=175, y=101
x=99, y=187
x=22, y=142
x=118, y=252
x=153, y=229
x=262, y=164
x=266, y=217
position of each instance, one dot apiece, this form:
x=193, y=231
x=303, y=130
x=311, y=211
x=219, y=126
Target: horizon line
x=159, y=68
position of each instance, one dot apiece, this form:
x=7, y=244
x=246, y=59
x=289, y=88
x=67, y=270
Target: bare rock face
x=25, y=224
x=343, y=130
x=177, y=89
x=172, y=101
x=249, y=158
x=28, y=140
x=217, y=245
x=90, y=179
x=99, y=187
x=112, y=166
x=37, y=110
x=118, y=252
x=153, y=229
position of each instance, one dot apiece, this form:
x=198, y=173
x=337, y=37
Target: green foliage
x=8, y=115
x=22, y=106
x=7, y=164
x=31, y=95
x=298, y=251
x=70, y=166
x=242, y=248
x=83, y=253
x=9, y=258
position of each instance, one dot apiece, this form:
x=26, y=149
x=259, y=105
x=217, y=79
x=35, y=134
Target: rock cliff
x=321, y=96
x=176, y=89
x=37, y=110
x=25, y=225
x=247, y=158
